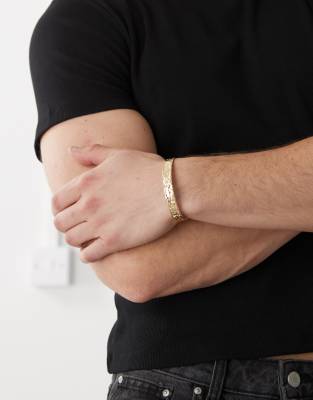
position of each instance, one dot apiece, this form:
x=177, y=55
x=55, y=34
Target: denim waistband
x=273, y=379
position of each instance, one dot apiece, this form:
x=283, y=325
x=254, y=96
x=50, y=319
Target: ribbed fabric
x=210, y=77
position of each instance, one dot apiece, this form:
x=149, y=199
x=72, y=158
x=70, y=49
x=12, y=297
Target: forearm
x=270, y=189
x=139, y=273
x=233, y=253
x=192, y=255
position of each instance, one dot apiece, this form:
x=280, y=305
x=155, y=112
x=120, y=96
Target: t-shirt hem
x=177, y=355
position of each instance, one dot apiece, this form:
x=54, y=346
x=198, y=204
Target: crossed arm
x=192, y=255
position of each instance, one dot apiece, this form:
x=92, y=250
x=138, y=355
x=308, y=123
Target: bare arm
x=271, y=189
x=193, y=254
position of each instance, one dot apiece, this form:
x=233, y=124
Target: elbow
x=137, y=290
x=134, y=280
x=136, y=295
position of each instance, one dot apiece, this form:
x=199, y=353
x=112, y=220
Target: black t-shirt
x=210, y=77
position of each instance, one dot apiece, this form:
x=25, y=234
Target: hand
x=117, y=205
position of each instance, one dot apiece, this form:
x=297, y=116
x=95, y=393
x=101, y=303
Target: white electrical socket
x=51, y=266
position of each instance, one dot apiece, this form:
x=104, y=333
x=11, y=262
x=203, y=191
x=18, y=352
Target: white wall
x=52, y=341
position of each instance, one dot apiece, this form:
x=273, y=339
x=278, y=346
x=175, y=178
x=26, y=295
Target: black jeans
x=257, y=379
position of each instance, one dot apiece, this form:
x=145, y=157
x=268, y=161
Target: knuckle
x=58, y=224
x=91, y=203
x=87, y=179
x=110, y=242
x=69, y=238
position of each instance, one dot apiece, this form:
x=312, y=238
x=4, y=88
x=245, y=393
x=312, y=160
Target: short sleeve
x=79, y=63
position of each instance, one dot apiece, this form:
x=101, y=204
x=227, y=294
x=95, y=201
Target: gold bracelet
x=169, y=190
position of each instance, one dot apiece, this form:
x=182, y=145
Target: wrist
x=188, y=184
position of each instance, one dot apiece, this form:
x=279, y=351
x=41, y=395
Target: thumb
x=89, y=155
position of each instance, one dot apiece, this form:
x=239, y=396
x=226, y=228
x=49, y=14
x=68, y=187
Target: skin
x=270, y=189
x=93, y=206
x=139, y=273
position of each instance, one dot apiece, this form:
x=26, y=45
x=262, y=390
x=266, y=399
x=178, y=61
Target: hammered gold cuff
x=169, y=190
